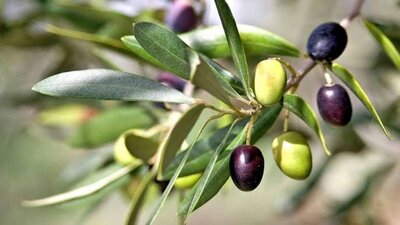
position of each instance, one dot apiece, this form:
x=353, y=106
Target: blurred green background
x=358, y=185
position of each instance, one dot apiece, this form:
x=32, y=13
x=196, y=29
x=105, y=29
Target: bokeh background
x=358, y=185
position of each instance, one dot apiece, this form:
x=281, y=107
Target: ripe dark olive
x=246, y=167
x=327, y=42
x=171, y=80
x=181, y=16
x=334, y=104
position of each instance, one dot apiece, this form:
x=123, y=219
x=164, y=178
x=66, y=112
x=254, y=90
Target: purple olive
x=246, y=167
x=171, y=80
x=327, y=42
x=334, y=104
x=181, y=16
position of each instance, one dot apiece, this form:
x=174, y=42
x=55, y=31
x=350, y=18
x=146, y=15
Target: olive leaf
x=110, y=43
x=211, y=41
x=303, y=110
x=212, y=77
x=176, y=137
x=177, y=172
x=351, y=82
x=167, y=48
x=235, y=44
x=83, y=191
x=107, y=126
x=200, y=187
x=132, y=44
x=138, y=197
x=385, y=42
x=202, y=151
x=220, y=173
x=101, y=84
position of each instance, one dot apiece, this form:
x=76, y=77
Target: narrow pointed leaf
x=211, y=41
x=385, y=42
x=177, y=136
x=166, y=47
x=235, y=44
x=171, y=183
x=132, y=44
x=202, y=151
x=303, y=110
x=137, y=199
x=82, y=191
x=207, y=173
x=351, y=82
x=106, y=42
x=212, y=77
x=101, y=84
x=220, y=173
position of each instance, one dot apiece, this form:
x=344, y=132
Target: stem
x=295, y=81
x=249, y=127
x=355, y=11
x=286, y=122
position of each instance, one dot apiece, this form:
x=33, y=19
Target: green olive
x=269, y=82
x=292, y=154
x=187, y=182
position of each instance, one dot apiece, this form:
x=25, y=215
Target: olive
x=187, y=182
x=269, y=82
x=171, y=80
x=181, y=16
x=327, y=42
x=334, y=104
x=246, y=167
x=292, y=154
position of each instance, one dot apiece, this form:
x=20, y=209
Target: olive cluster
x=291, y=151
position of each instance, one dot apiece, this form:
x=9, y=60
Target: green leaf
x=213, y=78
x=221, y=173
x=235, y=44
x=132, y=44
x=346, y=77
x=171, y=183
x=110, y=43
x=101, y=84
x=167, y=48
x=303, y=110
x=385, y=42
x=202, y=151
x=200, y=187
x=83, y=191
x=137, y=199
x=211, y=41
x=109, y=125
x=177, y=136
x=135, y=145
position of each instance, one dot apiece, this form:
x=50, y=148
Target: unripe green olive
x=292, y=154
x=269, y=82
x=187, y=182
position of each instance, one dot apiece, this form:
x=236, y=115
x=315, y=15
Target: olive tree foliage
x=152, y=148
